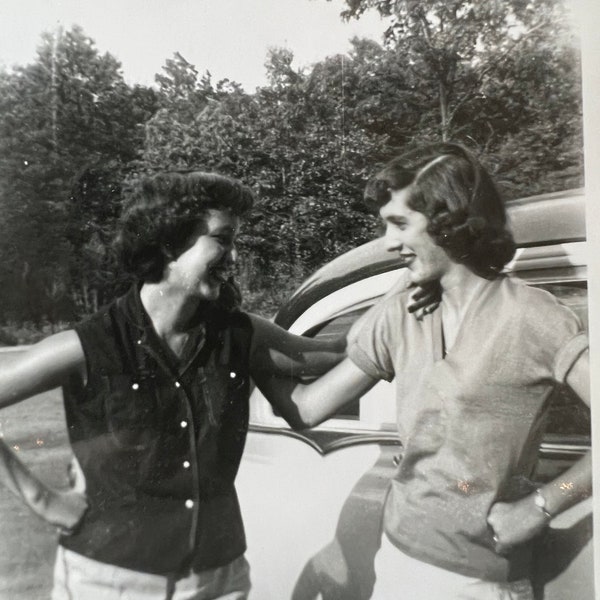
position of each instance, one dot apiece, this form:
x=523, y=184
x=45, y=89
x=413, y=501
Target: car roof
x=542, y=220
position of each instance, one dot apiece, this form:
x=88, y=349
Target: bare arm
x=41, y=368
x=307, y=405
x=280, y=359
x=280, y=353
x=519, y=521
x=62, y=508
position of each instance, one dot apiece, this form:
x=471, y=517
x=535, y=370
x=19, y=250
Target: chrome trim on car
x=566, y=451
x=325, y=441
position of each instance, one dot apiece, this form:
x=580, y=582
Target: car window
x=573, y=295
x=568, y=415
x=334, y=328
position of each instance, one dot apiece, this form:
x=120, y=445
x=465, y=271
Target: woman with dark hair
x=473, y=379
x=156, y=390
x=457, y=195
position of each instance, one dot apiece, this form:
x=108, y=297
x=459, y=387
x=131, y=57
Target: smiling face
x=406, y=234
x=204, y=266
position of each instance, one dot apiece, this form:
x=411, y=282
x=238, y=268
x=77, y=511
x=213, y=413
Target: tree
x=68, y=109
x=291, y=142
x=480, y=71
x=502, y=77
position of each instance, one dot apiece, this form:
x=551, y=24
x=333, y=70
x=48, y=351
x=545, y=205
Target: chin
x=416, y=278
x=420, y=279
x=210, y=294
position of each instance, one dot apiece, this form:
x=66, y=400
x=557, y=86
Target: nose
x=232, y=255
x=392, y=239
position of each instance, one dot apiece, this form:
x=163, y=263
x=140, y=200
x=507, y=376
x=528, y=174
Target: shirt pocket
x=229, y=383
x=131, y=411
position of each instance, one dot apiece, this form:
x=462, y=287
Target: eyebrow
x=224, y=229
x=395, y=219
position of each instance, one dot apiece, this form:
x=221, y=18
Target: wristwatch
x=540, y=502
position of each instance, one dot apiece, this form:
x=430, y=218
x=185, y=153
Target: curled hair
x=466, y=215
x=165, y=210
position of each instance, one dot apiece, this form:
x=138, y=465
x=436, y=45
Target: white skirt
x=77, y=577
x=400, y=577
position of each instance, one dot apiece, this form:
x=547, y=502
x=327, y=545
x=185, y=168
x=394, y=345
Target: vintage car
x=312, y=500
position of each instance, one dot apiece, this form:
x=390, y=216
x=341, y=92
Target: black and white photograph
x=296, y=299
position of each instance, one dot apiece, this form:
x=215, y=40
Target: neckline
x=441, y=351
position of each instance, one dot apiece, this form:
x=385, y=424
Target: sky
x=230, y=38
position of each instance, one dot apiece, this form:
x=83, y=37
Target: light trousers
x=401, y=577
x=77, y=577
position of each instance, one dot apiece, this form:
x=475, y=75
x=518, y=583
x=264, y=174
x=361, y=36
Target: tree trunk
x=443, y=111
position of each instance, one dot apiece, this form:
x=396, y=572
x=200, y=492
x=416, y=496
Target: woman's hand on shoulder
x=424, y=299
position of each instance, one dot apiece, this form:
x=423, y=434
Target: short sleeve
x=372, y=348
x=569, y=353
x=555, y=334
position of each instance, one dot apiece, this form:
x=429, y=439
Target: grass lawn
x=27, y=544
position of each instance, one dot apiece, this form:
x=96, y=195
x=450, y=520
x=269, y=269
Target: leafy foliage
x=501, y=77
x=69, y=109
x=291, y=143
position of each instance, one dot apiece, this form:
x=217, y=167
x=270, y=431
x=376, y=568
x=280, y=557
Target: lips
x=407, y=258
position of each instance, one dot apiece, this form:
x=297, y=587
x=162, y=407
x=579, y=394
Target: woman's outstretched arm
x=281, y=353
x=305, y=405
x=61, y=508
x=42, y=367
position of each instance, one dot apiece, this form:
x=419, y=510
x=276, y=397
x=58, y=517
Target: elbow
x=299, y=422
x=303, y=418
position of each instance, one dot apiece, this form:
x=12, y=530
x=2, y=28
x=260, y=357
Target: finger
x=422, y=309
x=419, y=313
x=502, y=548
x=415, y=306
x=418, y=294
x=416, y=303
x=64, y=531
x=498, y=545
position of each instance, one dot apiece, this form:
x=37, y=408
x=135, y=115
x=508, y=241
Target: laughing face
x=406, y=234
x=207, y=263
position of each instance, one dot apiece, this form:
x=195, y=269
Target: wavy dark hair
x=465, y=212
x=165, y=210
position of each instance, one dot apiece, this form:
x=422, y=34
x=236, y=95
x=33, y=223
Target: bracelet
x=540, y=503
